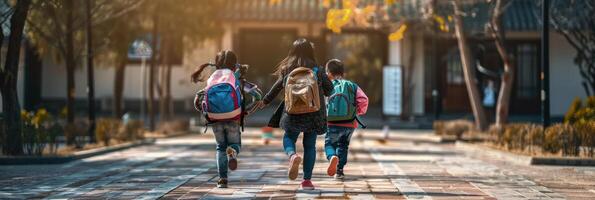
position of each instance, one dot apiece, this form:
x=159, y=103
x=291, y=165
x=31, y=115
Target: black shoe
x=222, y=183
x=339, y=175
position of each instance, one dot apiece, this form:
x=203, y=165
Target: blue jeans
x=227, y=134
x=309, y=142
x=336, y=143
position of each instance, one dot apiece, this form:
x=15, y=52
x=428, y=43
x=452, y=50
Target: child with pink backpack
x=223, y=104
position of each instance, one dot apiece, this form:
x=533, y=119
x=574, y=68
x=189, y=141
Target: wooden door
x=454, y=92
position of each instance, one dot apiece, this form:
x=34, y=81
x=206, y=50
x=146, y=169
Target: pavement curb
x=44, y=160
x=476, y=150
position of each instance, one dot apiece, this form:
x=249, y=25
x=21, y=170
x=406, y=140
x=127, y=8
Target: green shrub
x=519, y=136
x=576, y=105
x=591, y=102
x=133, y=130
x=34, y=131
x=54, y=131
x=70, y=133
x=551, y=142
x=497, y=134
x=562, y=137
x=534, y=136
x=453, y=128
x=579, y=113
x=438, y=127
x=174, y=126
x=106, y=130
x=586, y=131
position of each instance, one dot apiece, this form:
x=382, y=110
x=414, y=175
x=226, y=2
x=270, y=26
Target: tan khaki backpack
x=301, y=91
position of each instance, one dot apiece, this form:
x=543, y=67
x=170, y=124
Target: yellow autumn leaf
x=441, y=23
x=337, y=18
x=398, y=34
x=349, y=4
x=390, y=2
x=439, y=19
x=327, y=3
x=274, y=2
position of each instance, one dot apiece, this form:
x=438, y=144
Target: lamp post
x=90, y=73
x=545, y=64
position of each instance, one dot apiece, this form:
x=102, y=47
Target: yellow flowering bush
x=35, y=131
x=579, y=112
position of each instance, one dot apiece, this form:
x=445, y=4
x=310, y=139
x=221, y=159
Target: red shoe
x=294, y=166
x=332, y=167
x=307, y=185
x=232, y=161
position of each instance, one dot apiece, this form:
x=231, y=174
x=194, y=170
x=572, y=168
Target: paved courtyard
x=408, y=166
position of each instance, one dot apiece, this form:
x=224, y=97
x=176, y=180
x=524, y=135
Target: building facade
x=261, y=35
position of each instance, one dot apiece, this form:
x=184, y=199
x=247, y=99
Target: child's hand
x=258, y=106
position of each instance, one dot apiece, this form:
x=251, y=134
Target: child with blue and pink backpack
x=223, y=104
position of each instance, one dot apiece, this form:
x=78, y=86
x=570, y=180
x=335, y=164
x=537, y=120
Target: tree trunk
x=119, y=88
x=161, y=88
x=165, y=92
x=509, y=68
x=468, y=70
x=407, y=81
x=153, y=64
x=10, y=101
x=10, y=106
x=168, y=100
x=90, y=74
x=70, y=66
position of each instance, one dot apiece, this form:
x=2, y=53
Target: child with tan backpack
x=303, y=109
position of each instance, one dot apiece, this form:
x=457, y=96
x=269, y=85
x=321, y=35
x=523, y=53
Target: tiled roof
x=518, y=17
x=285, y=10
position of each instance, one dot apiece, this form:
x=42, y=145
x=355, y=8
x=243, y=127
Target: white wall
x=565, y=79
x=54, y=77
x=399, y=52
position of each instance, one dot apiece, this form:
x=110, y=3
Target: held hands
x=259, y=105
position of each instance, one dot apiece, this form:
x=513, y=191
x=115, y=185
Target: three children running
x=305, y=85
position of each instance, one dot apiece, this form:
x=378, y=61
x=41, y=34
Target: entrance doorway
x=364, y=54
x=263, y=49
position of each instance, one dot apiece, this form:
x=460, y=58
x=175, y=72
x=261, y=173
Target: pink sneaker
x=332, y=167
x=294, y=166
x=307, y=185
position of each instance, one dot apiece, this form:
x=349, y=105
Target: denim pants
x=336, y=143
x=309, y=142
x=227, y=134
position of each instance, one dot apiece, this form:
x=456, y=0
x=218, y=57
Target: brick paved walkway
x=184, y=168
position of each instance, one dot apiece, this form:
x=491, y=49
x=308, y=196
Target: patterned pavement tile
x=403, y=168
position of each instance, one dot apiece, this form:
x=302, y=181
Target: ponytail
x=224, y=59
x=195, y=77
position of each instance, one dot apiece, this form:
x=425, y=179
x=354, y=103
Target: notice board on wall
x=392, y=90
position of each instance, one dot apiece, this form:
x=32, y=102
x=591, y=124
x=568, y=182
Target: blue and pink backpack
x=222, y=97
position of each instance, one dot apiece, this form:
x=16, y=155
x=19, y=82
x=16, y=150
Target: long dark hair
x=301, y=54
x=224, y=59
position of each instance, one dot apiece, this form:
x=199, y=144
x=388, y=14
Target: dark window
x=454, y=68
x=527, y=72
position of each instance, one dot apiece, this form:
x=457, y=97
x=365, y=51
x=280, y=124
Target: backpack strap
x=355, y=105
x=243, y=104
x=360, y=122
x=355, y=95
